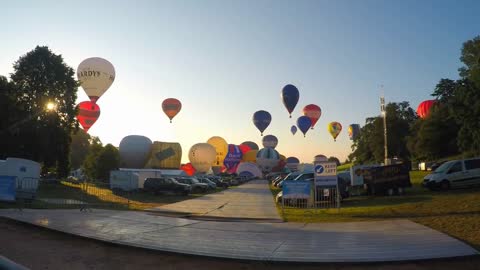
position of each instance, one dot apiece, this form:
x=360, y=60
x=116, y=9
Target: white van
x=455, y=173
x=27, y=174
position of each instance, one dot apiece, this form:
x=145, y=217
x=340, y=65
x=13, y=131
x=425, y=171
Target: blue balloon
x=304, y=123
x=290, y=97
x=261, y=119
x=293, y=129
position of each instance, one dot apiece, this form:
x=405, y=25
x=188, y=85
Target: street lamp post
x=384, y=114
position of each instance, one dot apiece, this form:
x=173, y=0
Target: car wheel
x=445, y=185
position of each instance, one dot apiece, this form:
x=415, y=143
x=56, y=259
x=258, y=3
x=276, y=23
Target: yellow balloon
x=334, y=128
x=250, y=156
x=282, y=157
x=221, y=148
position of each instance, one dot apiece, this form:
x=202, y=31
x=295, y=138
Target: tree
x=9, y=116
x=79, y=148
x=368, y=147
x=40, y=77
x=109, y=159
x=334, y=159
x=471, y=59
x=90, y=164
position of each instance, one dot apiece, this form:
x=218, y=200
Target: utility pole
x=384, y=114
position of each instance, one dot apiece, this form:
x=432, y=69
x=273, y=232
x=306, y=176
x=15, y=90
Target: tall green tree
x=40, y=77
x=79, y=148
x=368, y=147
x=90, y=164
x=9, y=116
x=109, y=159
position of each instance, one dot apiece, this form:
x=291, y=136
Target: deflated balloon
x=261, y=119
x=202, y=156
x=88, y=113
x=270, y=141
x=334, y=128
x=171, y=107
x=96, y=75
x=313, y=112
x=304, y=123
x=188, y=169
x=293, y=129
x=290, y=96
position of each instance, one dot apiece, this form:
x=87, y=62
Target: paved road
x=252, y=200
x=393, y=240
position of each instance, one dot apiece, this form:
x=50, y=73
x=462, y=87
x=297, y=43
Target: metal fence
x=34, y=193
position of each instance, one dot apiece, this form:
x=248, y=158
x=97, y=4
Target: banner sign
x=296, y=189
x=7, y=188
x=325, y=173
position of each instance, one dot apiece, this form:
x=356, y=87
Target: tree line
x=29, y=130
x=451, y=128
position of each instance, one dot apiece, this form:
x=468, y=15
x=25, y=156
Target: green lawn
x=98, y=195
x=455, y=212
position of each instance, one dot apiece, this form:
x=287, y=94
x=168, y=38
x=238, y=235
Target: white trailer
x=27, y=173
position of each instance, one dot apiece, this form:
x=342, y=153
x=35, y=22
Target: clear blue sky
x=227, y=59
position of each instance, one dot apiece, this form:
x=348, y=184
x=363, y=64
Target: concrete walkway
x=393, y=240
x=252, y=200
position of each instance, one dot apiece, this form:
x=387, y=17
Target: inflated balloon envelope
x=96, y=75
x=88, y=113
x=164, y=155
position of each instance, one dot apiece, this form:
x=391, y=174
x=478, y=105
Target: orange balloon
x=171, y=107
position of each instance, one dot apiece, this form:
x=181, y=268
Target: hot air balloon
x=221, y=148
x=261, y=119
x=244, y=148
x=290, y=97
x=164, y=155
x=249, y=169
x=320, y=158
x=96, y=75
x=353, y=131
x=267, y=159
x=293, y=129
x=171, y=107
x=313, y=112
x=252, y=145
x=202, y=156
x=334, y=128
x=292, y=163
x=304, y=123
x=250, y=156
x=270, y=141
x=134, y=150
x=424, y=108
x=88, y=113
x=234, y=156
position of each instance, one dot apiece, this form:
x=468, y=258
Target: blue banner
x=7, y=188
x=296, y=189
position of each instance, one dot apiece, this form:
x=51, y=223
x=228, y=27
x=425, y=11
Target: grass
x=99, y=195
x=455, y=212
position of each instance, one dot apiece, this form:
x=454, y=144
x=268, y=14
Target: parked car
x=455, y=173
x=197, y=187
x=210, y=183
x=220, y=182
x=166, y=185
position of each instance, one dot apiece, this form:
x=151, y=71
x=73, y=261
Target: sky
x=226, y=59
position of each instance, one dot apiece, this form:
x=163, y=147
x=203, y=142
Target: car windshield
x=444, y=167
x=194, y=180
x=291, y=176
